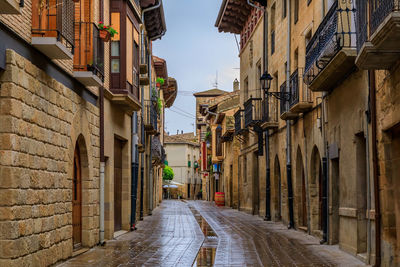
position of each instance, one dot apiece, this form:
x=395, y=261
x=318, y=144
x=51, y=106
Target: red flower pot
x=105, y=35
x=158, y=84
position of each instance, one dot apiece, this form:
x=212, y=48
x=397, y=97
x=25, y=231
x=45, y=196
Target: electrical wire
x=182, y=114
x=184, y=111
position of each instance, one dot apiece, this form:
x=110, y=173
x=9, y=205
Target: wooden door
x=117, y=185
x=77, y=201
x=321, y=206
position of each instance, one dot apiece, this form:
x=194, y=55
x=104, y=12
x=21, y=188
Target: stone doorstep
x=119, y=233
x=79, y=252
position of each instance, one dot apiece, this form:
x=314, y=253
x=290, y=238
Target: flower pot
x=158, y=84
x=104, y=35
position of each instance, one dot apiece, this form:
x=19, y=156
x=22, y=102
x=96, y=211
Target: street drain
x=206, y=254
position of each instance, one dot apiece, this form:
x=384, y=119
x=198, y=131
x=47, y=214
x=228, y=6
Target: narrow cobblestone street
x=198, y=233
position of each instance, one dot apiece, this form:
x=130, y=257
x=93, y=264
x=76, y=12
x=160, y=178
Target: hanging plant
x=160, y=82
x=106, y=32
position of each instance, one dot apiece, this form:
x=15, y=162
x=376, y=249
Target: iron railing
x=299, y=91
x=379, y=10
x=361, y=23
x=283, y=106
x=252, y=111
x=150, y=115
x=336, y=31
x=270, y=110
x=238, y=122
x=54, y=18
x=89, y=49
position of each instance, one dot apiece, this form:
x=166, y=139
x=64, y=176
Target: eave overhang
x=232, y=16
x=154, y=20
x=170, y=92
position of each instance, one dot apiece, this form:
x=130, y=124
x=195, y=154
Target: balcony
x=238, y=122
x=10, y=6
x=157, y=151
x=53, y=28
x=150, y=117
x=331, y=52
x=89, y=54
x=286, y=114
x=380, y=48
x=252, y=112
x=270, y=114
x=301, y=100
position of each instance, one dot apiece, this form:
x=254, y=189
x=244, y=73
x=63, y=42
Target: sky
x=195, y=52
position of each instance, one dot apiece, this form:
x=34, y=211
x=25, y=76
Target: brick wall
x=41, y=121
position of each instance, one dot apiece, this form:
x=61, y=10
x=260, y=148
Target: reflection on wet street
x=197, y=233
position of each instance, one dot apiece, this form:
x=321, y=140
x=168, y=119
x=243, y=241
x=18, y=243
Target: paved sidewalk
x=172, y=237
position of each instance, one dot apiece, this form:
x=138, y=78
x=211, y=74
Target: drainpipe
x=266, y=133
x=102, y=166
x=367, y=121
x=255, y=6
x=371, y=75
x=134, y=169
x=288, y=126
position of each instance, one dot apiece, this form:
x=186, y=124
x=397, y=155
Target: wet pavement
x=196, y=233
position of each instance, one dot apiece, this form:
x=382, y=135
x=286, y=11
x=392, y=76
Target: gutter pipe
x=288, y=126
x=102, y=166
x=255, y=6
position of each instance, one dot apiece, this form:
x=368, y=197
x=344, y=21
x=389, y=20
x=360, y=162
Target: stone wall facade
x=42, y=121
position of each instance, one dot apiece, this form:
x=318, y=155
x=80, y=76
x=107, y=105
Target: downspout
x=102, y=166
x=255, y=6
x=134, y=169
x=367, y=121
x=266, y=133
x=288, y=126
x=325, y=166
x=375, y=168
x=149, y=163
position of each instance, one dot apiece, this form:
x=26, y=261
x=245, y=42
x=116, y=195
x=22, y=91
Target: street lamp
x=266, y=80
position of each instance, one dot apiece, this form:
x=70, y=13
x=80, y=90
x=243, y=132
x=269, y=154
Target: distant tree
x=168, y=173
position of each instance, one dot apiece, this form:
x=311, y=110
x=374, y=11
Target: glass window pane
x=115, y=49
x=114, y=65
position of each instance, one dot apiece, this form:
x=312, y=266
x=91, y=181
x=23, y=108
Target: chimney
x=235, y=85
x=177, y=131
x=182, y=132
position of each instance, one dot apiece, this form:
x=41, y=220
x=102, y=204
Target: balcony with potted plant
x=53, y=28
x=89, y=54
x=378, y=24
x=331, y=52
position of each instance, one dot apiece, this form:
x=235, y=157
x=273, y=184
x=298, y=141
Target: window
x=308, y=2
x=296, y=59
x=218, y=141
x=115, y=44
x=284, y=8
x=296, y=11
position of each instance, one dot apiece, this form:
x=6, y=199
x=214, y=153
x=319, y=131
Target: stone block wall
x=41, y=121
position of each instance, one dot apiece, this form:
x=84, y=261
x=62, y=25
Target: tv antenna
x=216, y=80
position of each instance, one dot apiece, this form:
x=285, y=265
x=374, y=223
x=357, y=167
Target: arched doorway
x=301, y=191
x=277, y=190
x=316, y=191
x=77, y=200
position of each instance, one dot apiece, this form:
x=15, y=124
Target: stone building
x=71, y=108
x=183, y=154
x=326, y=124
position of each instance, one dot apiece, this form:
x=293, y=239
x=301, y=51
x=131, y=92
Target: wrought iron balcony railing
x=150, y=116
x=336, y=31
x=361, y=22
x=283, y=105
x=54, y=18
x=89, y=49
x=270, y=110
x=238, y=122
x=379, y=10
x=252, y=112
x=299, y=91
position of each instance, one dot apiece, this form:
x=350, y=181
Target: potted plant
x=160, y=81
x=106, y=32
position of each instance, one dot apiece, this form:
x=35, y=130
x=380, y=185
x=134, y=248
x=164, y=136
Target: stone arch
x=277, y=186
x=315, y=190
x=301, y=191
x=80, y=138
